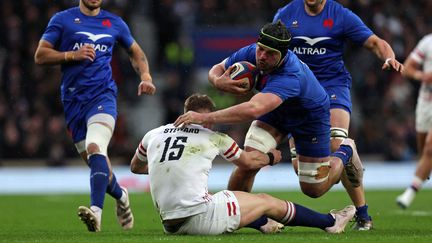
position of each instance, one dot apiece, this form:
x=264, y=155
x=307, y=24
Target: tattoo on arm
x=136, y=64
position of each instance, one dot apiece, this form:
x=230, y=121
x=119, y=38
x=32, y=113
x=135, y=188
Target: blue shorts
x=312, y=137
x=340, y=97
x=77, y=113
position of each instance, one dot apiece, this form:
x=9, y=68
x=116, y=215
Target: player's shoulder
x=337, y=7
x=108, y=14
x=427, y=38
x=66, y=12
x=295, y=4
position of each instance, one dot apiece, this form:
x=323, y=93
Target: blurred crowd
x=31, y=115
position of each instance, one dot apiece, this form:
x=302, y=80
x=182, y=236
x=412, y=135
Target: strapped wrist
x=271, y=158
x=69, y=56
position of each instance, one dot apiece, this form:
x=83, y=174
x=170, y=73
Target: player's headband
x=274, y=43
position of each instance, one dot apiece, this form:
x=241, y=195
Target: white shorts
x=223, y=215
x=423, y=116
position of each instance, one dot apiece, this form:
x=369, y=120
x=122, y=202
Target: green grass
x=52, y=218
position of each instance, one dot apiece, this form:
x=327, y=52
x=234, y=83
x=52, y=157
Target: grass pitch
x=53, y=218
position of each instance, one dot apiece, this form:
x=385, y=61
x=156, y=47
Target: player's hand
x=392, y=63
x=277, y=155
x=189, y=118
x=226, y=84
x=86, y=52
x=146, y=87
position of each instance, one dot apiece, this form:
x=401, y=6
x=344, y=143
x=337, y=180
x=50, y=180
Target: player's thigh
x=262, y=136
x=253, y=206
x=423, y=124
x=340, y=118
x=223, y=215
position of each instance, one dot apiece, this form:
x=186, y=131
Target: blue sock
x=309, y=218
x=114, y=189
x=344, y=153
x=362, y=212
x=99, y=178
x=258, y=223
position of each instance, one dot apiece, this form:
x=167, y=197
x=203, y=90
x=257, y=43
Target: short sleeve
x=125, y=37
x=278, y=85
x=54, y=30
x=354, y=28
x=419, y=52
x=141, y=151
x=246, y=53
x=228, y=148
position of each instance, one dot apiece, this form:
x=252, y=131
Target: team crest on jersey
x=77, y=21
x=328, y=23
x=106, y=23
x=294, y=24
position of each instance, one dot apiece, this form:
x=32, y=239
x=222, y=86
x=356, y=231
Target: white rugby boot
x=342, y=218
x=272, y=227
x=89, y=218
x=405, y=199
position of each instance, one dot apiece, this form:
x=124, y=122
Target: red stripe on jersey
x=421, y=54
x=234, y=208
x=142, y=150
x=229, y=208
x=234, y=153
x=230, y=149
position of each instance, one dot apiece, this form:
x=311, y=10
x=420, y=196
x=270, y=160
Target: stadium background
x=181, y=39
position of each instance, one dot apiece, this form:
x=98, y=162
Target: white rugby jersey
x=422, y=54
x=179, y=162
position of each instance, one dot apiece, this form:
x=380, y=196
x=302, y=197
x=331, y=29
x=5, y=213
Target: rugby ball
x=246, y=73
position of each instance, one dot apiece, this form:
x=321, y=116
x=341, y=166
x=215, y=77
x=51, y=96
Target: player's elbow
x=38, y=59
x=253, y=111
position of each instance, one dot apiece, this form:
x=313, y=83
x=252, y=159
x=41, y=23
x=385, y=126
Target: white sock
x=97, y=211
x=417, y=183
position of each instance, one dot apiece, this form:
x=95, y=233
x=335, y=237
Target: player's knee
x=92, y=148
x=265, y=198
x=295, y=165
x=313, y=192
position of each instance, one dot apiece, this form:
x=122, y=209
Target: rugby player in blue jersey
x=82, y=39
x=290, y=101
x=319, y=29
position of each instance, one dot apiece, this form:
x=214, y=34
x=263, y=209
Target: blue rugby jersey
x=319, y=40
x=68, y=31
x=303, y=97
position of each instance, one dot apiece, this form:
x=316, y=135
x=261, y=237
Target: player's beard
x=313, y=4
x=92, y=4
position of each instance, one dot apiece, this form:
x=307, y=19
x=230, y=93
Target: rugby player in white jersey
x=178, y=161
x=418, y=66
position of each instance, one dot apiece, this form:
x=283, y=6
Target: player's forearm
x=49, y=56
x=215, y=72
x=140, y=63
x=413, y=73
x=243, y=112
x=380, y=48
